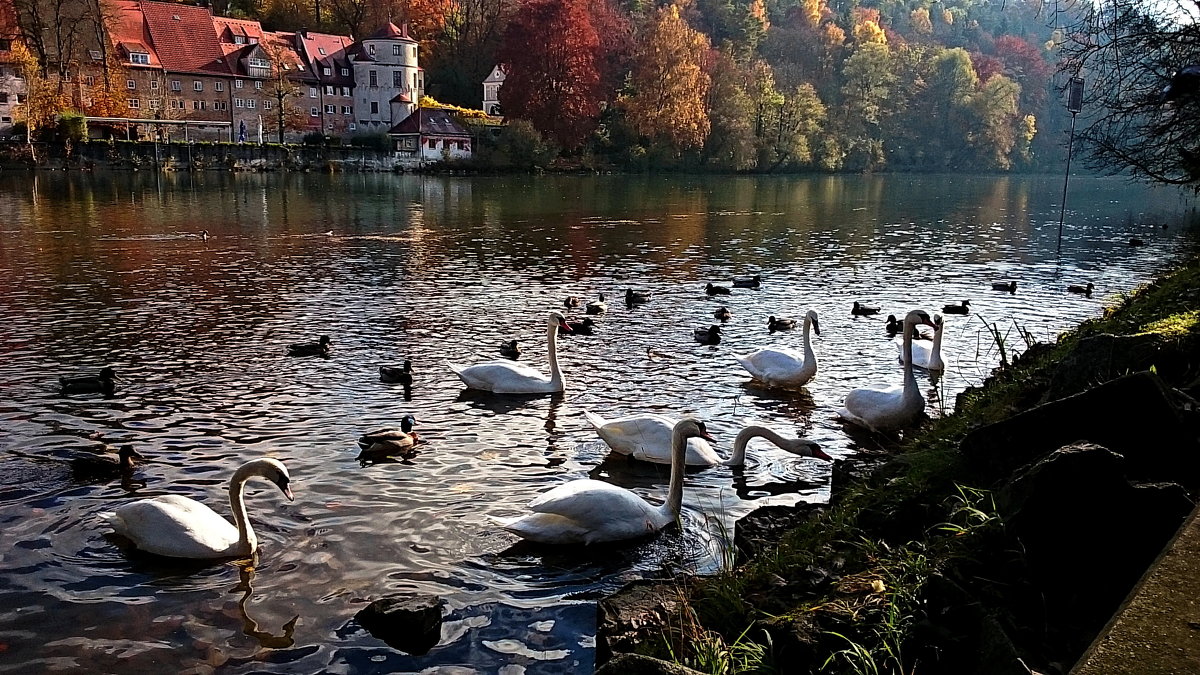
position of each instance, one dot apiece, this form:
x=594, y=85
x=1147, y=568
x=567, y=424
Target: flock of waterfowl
x=580, y=511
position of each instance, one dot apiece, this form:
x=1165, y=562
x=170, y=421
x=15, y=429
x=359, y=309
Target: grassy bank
x=918, y=561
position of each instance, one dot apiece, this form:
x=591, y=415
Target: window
x=220, y=86
x=374, y=107
x=312, y=92
x=134, y=103
x=258, y=63
x=6, y=119
x=321, y=51
x=220, y=105
x=176, y=86
x=153, y=83
x=373, y=78
x=197, y=85
x=154, y=104
x=94, y=53
x=138, y=58
x=395, y=50
x=91, y=80
x=130, y=84
x=352, y=127
x=21, y=98
x=330, y=109
x=267, y=105
x=398, y=79
x=345, y=72
x=328, y=90
x=199, y=105
x=239, y=103
x=347, y=110
x=326, y=71
x=239, y=39
x=313, y=112
x=415, y=87
x=251, y=103
x=345, y=91
x=6, y=44
x=371, y=48
x=258, y=84
x=237, y=84
x=3, y=97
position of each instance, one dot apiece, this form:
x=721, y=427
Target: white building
x=491, y=91
x=388, y=83
x=429, y=136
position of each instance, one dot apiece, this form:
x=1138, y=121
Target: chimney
x=404, y=30
x=303, y=32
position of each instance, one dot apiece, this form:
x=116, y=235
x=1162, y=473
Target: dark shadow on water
x=502, y=404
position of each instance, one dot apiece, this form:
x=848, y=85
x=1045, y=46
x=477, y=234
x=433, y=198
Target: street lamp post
x=1074, y=106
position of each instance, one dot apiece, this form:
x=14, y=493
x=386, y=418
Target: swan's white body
x=589, y=511
x=510, y=377
x=179, y=527
x=782, y=366
x=648, y=438
x=924, y=355
x=886, y=408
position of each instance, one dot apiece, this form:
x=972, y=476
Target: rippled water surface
x=105, y=270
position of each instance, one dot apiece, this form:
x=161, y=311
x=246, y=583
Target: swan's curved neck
x=808, y=352
x=679, y=442
x=743, y=439
x=552, y=345
x=936, y=353
x=247, y=543
x=910, y=380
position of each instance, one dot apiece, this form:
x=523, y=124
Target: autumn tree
x=668, y=82
x=730, y=143
x=465, y=50
x=283, y=89
x=550, y=54
x=868, y=81
x=43, y=99
x=994, y=135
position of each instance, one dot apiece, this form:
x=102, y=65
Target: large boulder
x=1103, y=357
x=637, y=664
x=412, y=623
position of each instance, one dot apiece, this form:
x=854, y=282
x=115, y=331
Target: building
x=430, y=135
x=388, y=83
x=491, y=91
x=329, y=99
x=12, y=87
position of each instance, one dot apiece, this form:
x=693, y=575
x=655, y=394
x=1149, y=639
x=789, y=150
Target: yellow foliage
x=869, y=32
x=669, y=82
x=43, y=100
x=813, y=10
x=919, y=19
x=428, y=101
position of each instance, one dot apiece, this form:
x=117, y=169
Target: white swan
x=649, y=438
x=179, y=527
x=782, y=366
x=589, y=511
x=796, y=446
x=924, y=356
x=885, y=408
x=509, y=377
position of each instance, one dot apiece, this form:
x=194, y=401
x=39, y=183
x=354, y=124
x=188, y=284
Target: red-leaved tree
x=551, y=59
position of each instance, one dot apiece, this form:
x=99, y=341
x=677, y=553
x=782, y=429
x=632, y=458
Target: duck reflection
x=250, y=626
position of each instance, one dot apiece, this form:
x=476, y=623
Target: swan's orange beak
x=287, y=492
x=708, y=437
x=819, y=453
x=563, y=325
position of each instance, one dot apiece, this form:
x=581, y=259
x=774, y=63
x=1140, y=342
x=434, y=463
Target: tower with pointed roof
x=388, y=82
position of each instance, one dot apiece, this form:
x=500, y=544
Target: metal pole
x=1063, y=209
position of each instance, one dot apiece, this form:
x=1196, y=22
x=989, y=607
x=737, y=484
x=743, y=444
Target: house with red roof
x=428, y=136
x=329, y=98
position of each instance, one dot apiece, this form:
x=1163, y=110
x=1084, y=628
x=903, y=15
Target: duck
x=784, y=367
x=883, y=408
x=175, y=526
x=748, y=282
x=633, y=297
x=583, y=327
x=203, y=235
x=588, y=511
x=1134, y=241
x=964, y=308
x=717, y=290
x=103, y=465
x=1079, y=288
x=87, y=384
x=507, y=377
x=571, y=302
x=723, y=313
x=774, y=324
x=708, y=336
x=894, y=327
x=860, y=309
x=596, y=306
x=510, y=350
x=391, y=442
x=401, y=374
x=927, y=356
x=1010, y=286
x=319, y=348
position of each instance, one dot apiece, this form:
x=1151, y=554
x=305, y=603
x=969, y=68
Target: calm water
x=101, y=270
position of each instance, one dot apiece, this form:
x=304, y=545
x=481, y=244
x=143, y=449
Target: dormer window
x=139, y=58
x=327, y=71
x=258, y=63
x=95, y=54
x=239, y=40
x=371, y=48
x=321, y=51
x=345, y=72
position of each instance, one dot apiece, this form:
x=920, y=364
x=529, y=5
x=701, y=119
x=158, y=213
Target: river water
x=107, y=269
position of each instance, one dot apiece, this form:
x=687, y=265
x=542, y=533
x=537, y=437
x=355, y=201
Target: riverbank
x=999, y=539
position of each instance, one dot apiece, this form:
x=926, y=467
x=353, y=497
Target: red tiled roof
x=430, y=122
x=284, y=45
x=337, y=50
x=9, y=28
x=389, y=31
x=401, y=98
x=185, y=37
x=127, y=30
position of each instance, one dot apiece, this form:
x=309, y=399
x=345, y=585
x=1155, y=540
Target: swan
x=648, y=437
x=510, y=350
x=796, y=446
x=89, y=384
x=1010, y=286
x=104, y=465
x=783, y=366
x=179, y=527
x=884, y=408
x=587, y=511
x=717, y=290
x=748, y=282
x=863, y=310
x=633, y=297
x=1085, y=290
x=391, y=441
x=596, y=306
x=923, y=355
x=774, y=324
x=319, y=348
x=507, y=377
x=403, y=374
x=964, y=308
x=723, y=313
x=707, y=336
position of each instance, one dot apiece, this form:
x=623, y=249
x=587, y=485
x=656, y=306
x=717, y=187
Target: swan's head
x=812, y=318
x=274, y=471
x=938, y=321
x=691, y=428
x=324, y=340
x=407, y=423
x=557, y=320
x=805, y=448
x=919, y=316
